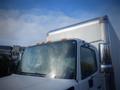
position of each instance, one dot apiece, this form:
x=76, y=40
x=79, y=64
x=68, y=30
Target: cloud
x=30, y=26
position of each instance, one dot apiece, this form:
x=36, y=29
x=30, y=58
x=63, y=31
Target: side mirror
x=105, y=57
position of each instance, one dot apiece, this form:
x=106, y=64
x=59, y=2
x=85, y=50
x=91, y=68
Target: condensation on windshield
x=56, y=60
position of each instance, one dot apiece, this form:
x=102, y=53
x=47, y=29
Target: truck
x=84, y=56
x=99, y=33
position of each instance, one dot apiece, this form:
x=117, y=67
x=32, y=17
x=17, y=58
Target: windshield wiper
x=32, y=74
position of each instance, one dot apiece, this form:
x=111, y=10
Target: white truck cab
x=62, y=65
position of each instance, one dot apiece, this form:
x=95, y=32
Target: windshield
x=54, y=60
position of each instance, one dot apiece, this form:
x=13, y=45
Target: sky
x=26, y=22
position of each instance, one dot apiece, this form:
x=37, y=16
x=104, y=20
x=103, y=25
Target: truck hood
x=21, y=82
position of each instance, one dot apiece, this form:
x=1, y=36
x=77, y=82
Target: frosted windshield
x=54, y=60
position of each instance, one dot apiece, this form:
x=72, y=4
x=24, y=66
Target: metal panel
x=88, y=33
x=115, y=51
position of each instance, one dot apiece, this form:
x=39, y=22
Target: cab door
x=89, y=72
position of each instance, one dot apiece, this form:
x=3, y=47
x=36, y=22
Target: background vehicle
x=101, y=35
x=8, y=58
x=5, y=58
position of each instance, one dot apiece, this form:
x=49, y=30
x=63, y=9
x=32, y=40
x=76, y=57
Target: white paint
x=74, y=27
x=22, y=82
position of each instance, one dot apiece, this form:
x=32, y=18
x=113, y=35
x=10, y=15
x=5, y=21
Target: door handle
x=90, y=82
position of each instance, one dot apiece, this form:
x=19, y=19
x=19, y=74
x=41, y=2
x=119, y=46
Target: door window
x=88, y=62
